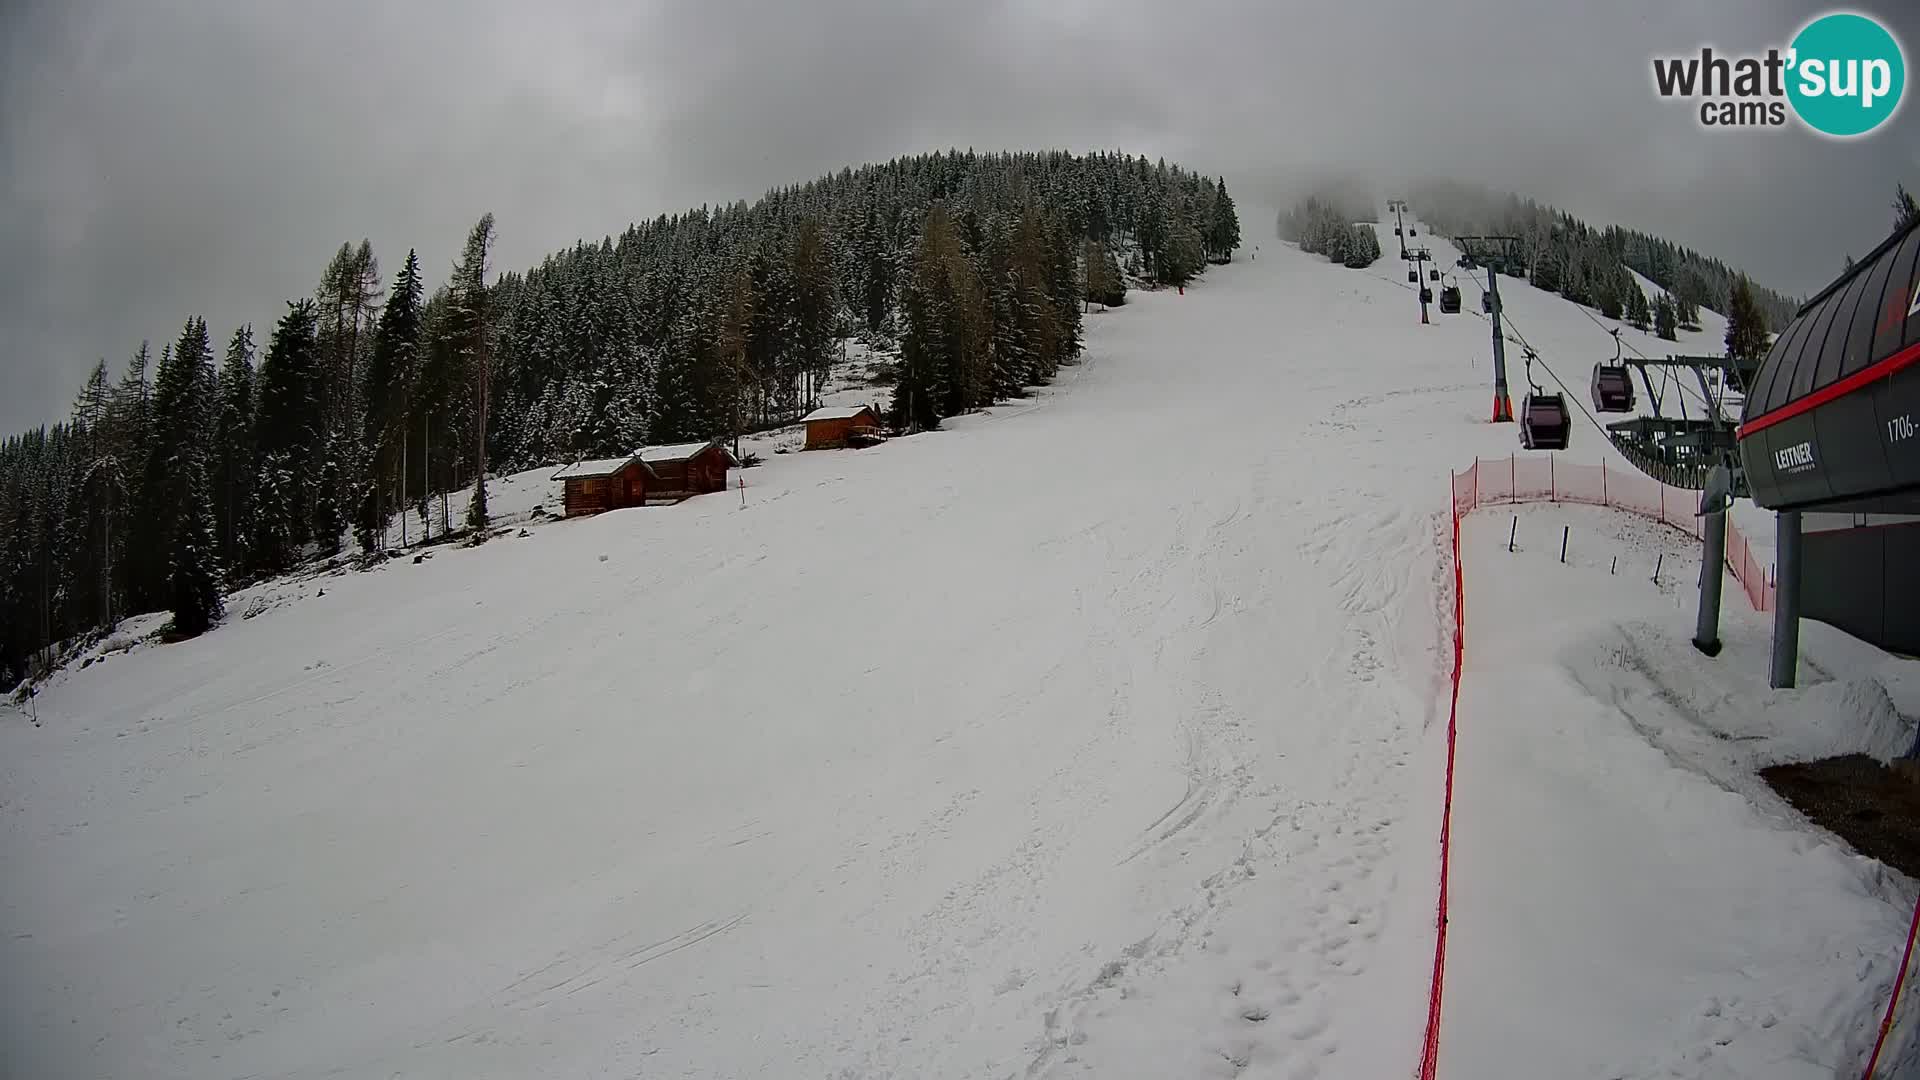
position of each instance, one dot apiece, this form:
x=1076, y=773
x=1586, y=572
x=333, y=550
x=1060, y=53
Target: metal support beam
x=1502, y=402
x=1706, y=628
x=1706, y=395
x=1652, y=394
x=1424, y=290
x=1496, y=252
x=1786, y=611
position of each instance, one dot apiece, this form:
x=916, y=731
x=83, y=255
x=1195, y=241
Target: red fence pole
x=1553, y=482
x=1886, y=1022
x=1604, y=501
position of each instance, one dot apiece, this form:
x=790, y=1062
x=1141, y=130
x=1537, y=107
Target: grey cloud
x=162, y=159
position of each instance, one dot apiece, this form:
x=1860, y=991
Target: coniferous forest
x=188, y=474
x=1563, y=254
x=1321, y=225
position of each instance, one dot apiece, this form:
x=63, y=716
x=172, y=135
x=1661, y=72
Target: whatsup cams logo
x=1842, y=75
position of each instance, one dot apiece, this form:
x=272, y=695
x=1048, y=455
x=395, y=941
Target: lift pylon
x=1495, y=253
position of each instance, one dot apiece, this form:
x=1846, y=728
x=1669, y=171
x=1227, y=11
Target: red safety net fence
x=1430, y=1045
x=1545, y=478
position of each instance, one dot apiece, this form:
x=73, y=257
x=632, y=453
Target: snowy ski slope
x=1096, y=735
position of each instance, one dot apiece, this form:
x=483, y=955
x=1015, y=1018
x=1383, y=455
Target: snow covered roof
x=836, y=412
x=653, y=455
x=599, y=467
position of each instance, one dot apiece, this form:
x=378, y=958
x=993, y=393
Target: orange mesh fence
x=1545, y=478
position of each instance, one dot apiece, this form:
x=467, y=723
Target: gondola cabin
x=1450, y=300
x=1544, y=422
x=835, y=426
x=1612, y=389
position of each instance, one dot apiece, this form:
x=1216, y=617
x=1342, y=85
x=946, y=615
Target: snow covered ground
x=1098, y=734
x=1629, y=898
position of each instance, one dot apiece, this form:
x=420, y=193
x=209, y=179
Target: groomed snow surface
x=1629, y=898
x=1100, y=734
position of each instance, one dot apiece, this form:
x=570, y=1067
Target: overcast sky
x=166, y=158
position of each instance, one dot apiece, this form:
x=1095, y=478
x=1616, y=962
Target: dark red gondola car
x=1544, y=422
x=1612, y=389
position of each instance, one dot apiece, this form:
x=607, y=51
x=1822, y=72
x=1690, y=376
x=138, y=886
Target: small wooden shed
x=649, y=474
x=683, y=469
x=835, y=426
x=603, y=484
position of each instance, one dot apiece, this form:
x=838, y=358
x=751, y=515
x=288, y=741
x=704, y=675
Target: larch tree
x=102, y=489
x=386, y=379
x=733, y=352
x=468, y=334
x=814, y=306
x=927, y=304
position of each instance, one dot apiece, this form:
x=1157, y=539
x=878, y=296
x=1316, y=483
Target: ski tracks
x=1273, y=936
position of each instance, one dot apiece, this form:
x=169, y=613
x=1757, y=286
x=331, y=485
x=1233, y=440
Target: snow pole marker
x=1564, y=530
x=1657, y=564
x=1614, y=565
x=1513, y=532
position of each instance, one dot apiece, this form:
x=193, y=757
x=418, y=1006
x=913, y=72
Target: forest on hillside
x=183, y=477
x=1323, y=224
x=1563, y=254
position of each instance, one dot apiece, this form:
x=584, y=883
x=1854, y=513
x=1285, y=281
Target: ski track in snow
x=1096, y=735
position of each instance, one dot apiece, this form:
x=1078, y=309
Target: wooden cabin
x=649, y=474
x=605, y=484
x=685, y=469
x=836, y=426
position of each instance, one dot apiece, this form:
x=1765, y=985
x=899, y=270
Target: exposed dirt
x=1869, y=805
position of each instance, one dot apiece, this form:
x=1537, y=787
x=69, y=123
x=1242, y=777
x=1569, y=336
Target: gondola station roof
x=1833, y=419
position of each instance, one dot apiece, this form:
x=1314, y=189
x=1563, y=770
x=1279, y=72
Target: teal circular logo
x=1846, y=74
